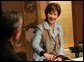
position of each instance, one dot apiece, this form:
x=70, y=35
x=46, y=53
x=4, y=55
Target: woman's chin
x=52, y=22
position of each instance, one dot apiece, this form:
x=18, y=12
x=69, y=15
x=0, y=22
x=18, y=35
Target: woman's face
x=52, y=16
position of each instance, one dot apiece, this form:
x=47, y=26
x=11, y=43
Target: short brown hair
x=53, y=7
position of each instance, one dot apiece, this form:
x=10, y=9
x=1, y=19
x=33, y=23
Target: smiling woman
x=48, y=40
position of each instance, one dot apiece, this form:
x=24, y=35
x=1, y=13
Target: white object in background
x=78, y=59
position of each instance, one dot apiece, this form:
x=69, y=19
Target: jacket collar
x=47, y=26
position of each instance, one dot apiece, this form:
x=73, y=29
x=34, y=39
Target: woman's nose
x=52, y=16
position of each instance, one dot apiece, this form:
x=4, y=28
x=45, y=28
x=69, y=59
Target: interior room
x=71, y=20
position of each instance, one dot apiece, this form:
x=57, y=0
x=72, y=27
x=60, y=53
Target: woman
x=48, y=41
x=10, y=31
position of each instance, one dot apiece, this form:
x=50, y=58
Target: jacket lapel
x=47, y=27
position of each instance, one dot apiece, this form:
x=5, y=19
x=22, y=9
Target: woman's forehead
x=54, y=11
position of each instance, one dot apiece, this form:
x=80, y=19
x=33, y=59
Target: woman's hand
x=58, y=59
x=48, y=56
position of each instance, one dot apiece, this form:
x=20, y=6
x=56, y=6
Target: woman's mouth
x=52, y=21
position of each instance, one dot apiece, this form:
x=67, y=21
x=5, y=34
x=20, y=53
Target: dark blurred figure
x=10, y=31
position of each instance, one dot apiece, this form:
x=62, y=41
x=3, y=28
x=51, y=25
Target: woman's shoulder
x=60, y=28
x=58, y=25
x=40, y=25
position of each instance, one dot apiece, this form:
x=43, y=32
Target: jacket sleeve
x=37, y=39
x=61, y=34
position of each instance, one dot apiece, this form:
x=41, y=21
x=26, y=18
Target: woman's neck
x=52, y=25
